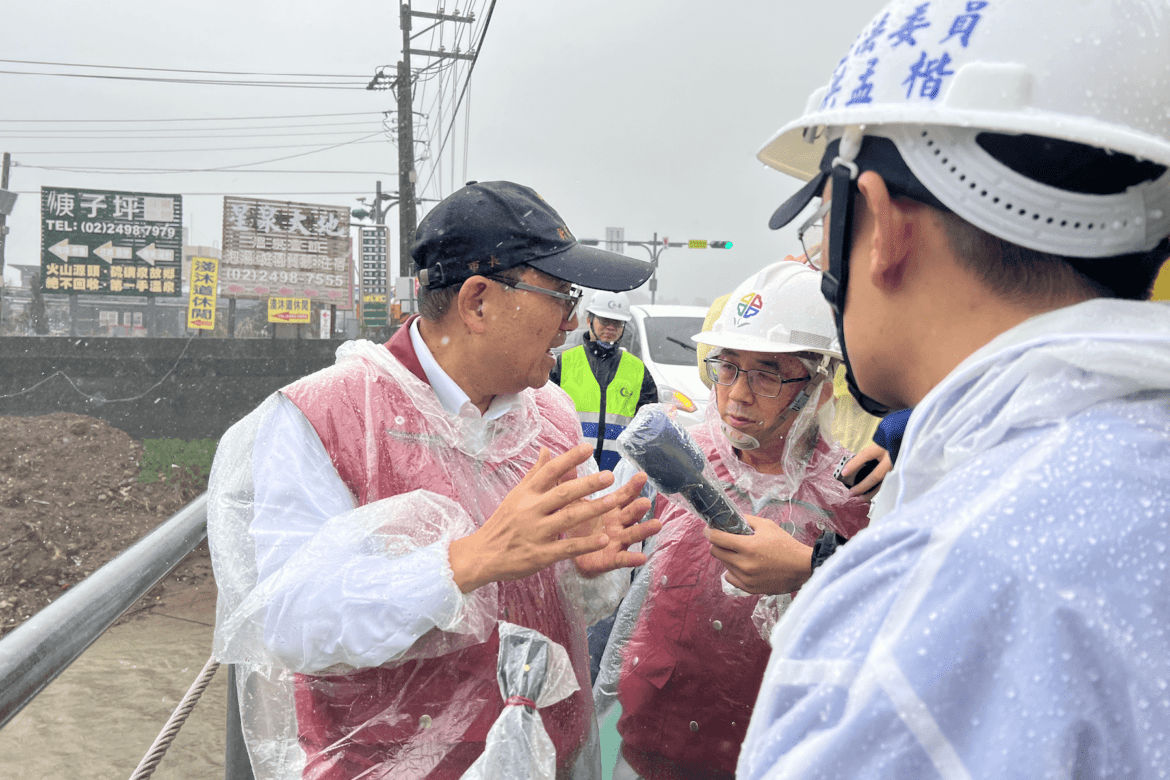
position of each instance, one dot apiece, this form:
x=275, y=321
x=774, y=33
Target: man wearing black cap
x=372, y=522
x=996, y=205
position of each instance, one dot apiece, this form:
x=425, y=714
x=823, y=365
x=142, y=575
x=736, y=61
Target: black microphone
x=674, y=463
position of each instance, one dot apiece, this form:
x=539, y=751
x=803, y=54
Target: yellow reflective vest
x=602, y=418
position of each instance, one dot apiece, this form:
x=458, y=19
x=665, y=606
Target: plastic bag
x=533, y=672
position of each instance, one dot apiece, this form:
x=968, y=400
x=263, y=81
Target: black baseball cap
x=487, y=227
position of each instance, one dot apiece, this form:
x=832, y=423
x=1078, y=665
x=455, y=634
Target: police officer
x=607, y=384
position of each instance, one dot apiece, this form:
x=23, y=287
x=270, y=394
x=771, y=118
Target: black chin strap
x=835, y=278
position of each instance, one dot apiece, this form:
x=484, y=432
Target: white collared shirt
x=450, y=394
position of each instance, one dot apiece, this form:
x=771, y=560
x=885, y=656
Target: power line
x=184, y=151
x=112, y=169
x=284, y=192
x=102, y=135
x=222, y=168
x=184, y=70
x=201, y=118
x=212, y=82
x=466, y=83
x=449, y=76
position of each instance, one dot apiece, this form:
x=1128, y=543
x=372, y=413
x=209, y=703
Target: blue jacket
x=1007, y=612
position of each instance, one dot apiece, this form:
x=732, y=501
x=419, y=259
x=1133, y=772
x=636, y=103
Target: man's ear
x=469, y=304
x=893, y=224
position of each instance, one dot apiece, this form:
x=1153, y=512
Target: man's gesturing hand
x=622, y=528
x=769, y=561
x=524, y=534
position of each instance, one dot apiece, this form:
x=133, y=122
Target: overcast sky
x=641, y=114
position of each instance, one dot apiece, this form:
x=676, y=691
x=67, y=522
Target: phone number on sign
x=124, y=229
x=284, y=277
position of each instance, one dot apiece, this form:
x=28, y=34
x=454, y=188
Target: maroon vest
x=695, y=660
x=426, y=718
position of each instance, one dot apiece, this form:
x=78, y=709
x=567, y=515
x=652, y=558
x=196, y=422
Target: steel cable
x=163, y=741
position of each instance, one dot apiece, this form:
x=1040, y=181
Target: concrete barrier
x=152, y=388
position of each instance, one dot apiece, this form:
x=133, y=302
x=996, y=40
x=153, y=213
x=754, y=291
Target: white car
x=661, y=336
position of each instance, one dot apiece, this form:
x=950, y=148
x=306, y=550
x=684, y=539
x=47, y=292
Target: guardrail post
x=236, y=764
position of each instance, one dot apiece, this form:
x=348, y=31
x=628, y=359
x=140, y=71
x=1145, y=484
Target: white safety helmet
x=778, y=309
x=781, y=309
x=610, y=305
x=933, y=76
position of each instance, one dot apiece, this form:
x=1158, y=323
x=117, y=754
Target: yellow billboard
x=204, y=286
x=291, y=311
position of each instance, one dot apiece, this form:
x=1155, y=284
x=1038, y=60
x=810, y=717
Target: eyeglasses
x=811, y=236
x=569, y=301
x=762, y=383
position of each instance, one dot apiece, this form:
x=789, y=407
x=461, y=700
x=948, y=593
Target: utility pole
x=407, y=215
x=404, y=92
x=7, y=200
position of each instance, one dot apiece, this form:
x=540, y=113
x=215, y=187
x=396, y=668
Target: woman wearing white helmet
x=994, y=186
x=687, y=656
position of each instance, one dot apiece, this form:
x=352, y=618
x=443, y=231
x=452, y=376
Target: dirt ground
x=70, y=501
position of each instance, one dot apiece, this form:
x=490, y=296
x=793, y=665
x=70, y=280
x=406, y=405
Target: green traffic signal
x=719, y=244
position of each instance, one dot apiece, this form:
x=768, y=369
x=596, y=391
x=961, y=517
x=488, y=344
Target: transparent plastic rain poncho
x=1007, y=612
x=331, y=510
x=683, y=648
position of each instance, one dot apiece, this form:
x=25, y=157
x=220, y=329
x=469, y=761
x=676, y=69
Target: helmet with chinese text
x=962, y=86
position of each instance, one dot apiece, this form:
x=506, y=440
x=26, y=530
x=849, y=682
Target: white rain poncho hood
x=1007, y=612
x=331, y=510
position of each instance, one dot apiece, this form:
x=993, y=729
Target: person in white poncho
x=372, y=524
x=994, y=182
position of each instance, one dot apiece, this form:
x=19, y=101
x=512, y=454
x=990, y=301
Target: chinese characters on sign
x=373, y=310
x=201, y=304
x=919, y=47
x=287, y=250
x=373, y=245
x=292, y=311
x=121, y=243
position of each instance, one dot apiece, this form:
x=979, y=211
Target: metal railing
x=35, y=653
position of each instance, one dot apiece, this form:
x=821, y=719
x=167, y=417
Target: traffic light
x=719, y=244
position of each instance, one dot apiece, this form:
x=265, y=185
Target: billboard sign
x=201, y=304
x=289, y=311
x=276, y=248
x=111, y=243
x=373, y=241
x=373, y=310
